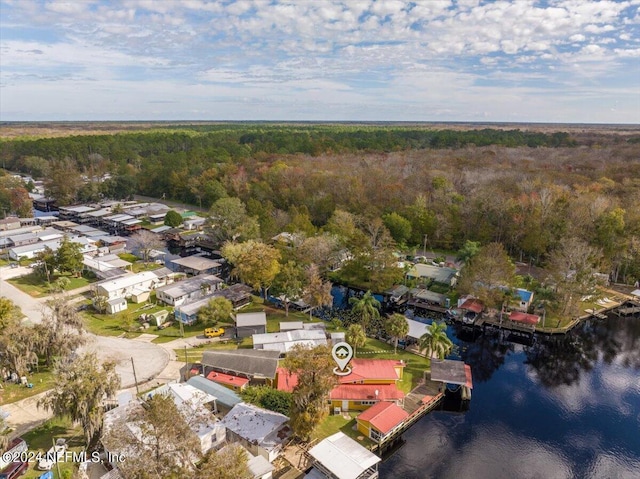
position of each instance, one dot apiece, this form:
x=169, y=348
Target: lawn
x=42, y=381
x=34, y=285
x=335, y=423
x=415, y=365
x=42, y=438
x=194, y=355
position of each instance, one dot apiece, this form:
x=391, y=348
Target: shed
x=381, y=420
x=248, y=324
x=116, y=305
x=416, y=329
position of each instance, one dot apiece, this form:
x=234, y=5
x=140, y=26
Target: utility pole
x=135, y=378
x=424, y=248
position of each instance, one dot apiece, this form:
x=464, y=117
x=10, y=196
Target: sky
x=554, y=61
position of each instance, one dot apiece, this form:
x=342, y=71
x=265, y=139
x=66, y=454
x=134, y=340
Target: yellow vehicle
x=213, y=332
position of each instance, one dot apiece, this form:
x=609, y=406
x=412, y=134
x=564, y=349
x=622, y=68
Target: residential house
x=238, y=294
x=126, y=286
x=340, y=457
x=195, y=265
x=199, y=406
x=259, y=366
x=189, y=289
x=260, y=431
x=435, y=274
x=235, y=383
x=248, y=324
x=381, y=420
x=370, y=381
x=225, y=398
x=286, y=340
x=10, y=223
x=523, y=299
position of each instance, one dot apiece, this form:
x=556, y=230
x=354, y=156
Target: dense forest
x=530, y=190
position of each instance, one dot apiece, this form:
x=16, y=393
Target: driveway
x=149, y=359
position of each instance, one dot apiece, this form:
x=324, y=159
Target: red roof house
x=235, y=383
x=472, y=304
x=381, y=419
x=373, y=371
x=524, y=318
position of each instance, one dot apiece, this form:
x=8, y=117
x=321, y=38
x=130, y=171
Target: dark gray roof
x=448, y=371
x=250, y=362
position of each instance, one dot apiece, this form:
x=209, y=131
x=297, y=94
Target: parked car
x=213, y=332
x=13, y=470
x=46, y=475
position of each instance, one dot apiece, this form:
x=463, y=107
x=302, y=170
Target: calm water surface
x=568, y=408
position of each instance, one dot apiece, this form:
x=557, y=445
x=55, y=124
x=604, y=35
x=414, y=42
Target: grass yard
x=140, y=266
x=335, y=423
x=34, y=285
x=42, y=438
x=42, y=381
x=415, y=365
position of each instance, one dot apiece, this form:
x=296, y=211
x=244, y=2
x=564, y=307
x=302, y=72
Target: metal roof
x=225, y=396
x=417, y=329
x=450, y=371
x=198, y=263
x=343, y=457
x=251, y=319
x=188, y=286
x=255, y=424
x=250, y=362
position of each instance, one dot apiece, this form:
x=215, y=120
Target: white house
x=193, y=288
x=126, y=285
x=286, y=340
x=198, y=406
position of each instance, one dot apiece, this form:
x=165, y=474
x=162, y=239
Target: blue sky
x=359, y=60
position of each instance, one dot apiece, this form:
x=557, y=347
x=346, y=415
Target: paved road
x=150, y=360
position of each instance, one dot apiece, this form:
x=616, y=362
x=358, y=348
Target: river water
x=562, y=408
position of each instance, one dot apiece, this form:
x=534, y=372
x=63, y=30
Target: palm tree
x=356, y=337
x=397, y=327
x=436, y=341
x=367, y=308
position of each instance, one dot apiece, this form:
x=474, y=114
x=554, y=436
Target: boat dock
x=421, y=400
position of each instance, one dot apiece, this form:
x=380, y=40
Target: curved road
x=149, y=359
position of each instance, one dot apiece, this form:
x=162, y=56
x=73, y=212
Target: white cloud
x=335, y=44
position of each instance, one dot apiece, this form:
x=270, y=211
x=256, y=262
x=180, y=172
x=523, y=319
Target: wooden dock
x=421, y=400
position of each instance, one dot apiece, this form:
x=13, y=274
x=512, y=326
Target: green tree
x=69, y=257
x=356, y=337
x=314, y=368
x=289, y=284
x=173, y=219
x=398, y=226
x=366, y=308
x=468, y=251
x=100, y=303
x=435, y=341
x=80, y=388
x=230, y=462
x=486, y=273
x=46, y=263
x=397, y=327
x=166, y=445
x=228, y=221
x=9, y=313
x=256, y=264
x=217, y=309
x=317, y=293
x=60, y=331
x=268, y=398
x=63, y=181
